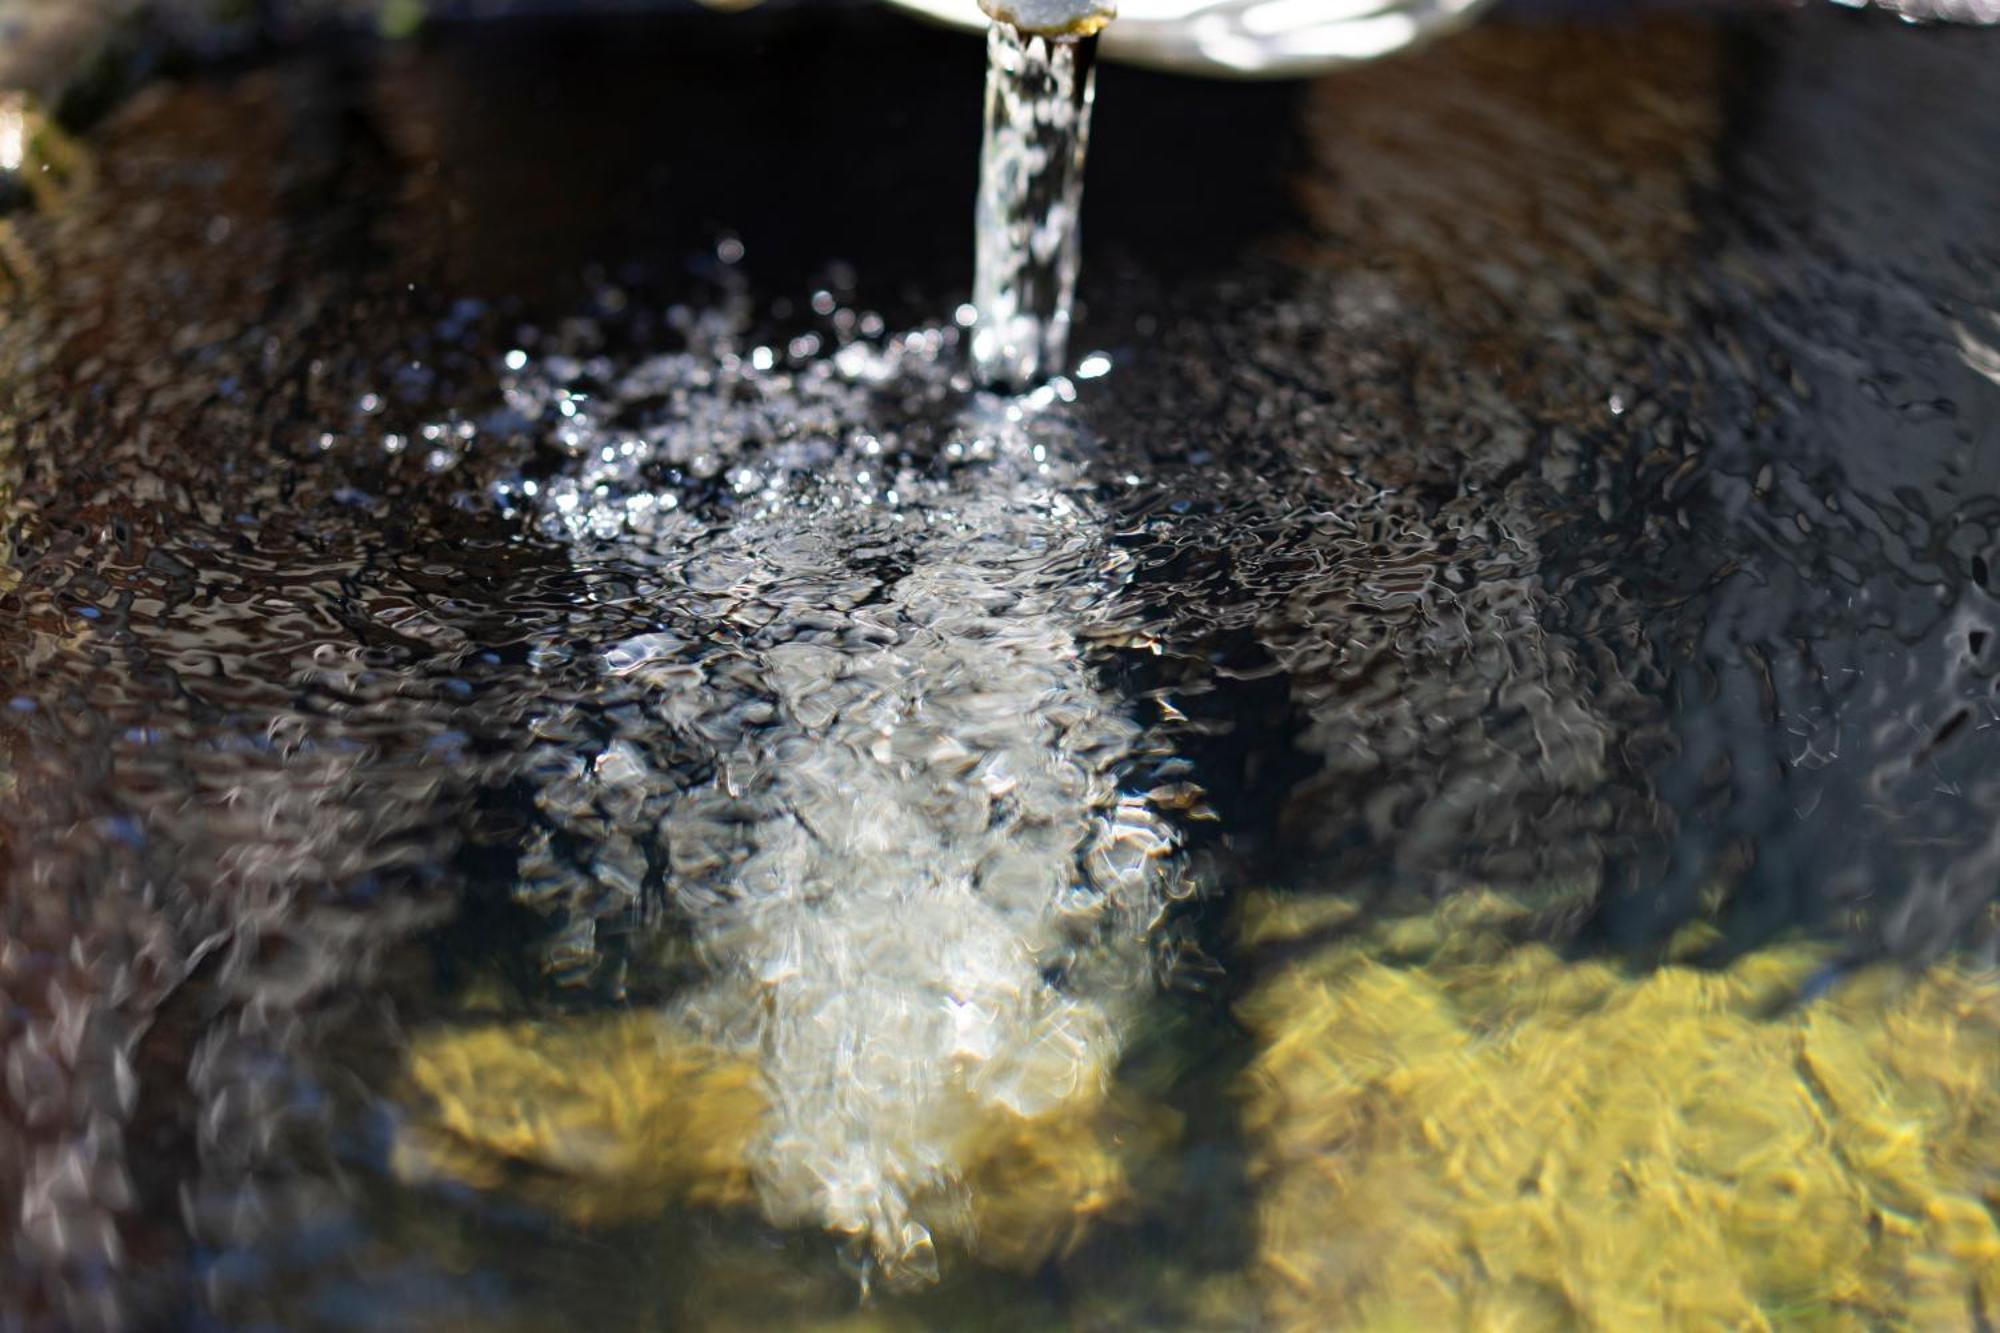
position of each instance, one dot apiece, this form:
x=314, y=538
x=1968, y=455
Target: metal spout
x=1052, y=18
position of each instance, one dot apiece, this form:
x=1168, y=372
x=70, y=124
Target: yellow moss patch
x=609, y=1119
x=1493, y=1138
x=598, y=1119
x=1035, y=1186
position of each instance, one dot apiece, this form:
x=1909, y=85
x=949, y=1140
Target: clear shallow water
x=1559, y=464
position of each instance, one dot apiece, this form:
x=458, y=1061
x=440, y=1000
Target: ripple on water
x=1591, y=502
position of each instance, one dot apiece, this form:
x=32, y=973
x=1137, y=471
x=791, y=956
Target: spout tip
x=1053, y=18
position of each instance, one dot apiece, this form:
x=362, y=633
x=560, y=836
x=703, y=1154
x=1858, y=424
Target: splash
x=865, y=744
x=1039, y=93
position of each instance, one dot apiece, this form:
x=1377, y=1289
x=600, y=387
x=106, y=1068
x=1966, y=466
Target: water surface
x=1553, y=470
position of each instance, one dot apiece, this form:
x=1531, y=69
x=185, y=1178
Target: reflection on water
x=529, y=805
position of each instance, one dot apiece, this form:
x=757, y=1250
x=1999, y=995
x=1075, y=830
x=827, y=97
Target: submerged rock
x=616, y=1118
x=598, y=1121
x=1457, y=1129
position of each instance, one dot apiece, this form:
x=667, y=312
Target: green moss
x=400, y=19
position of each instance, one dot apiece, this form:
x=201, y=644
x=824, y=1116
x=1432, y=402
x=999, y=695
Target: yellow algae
x=608, y=1119
x=1455, y=1130
x=1035, y=1185
x=599, y=1120
x=1265, y=920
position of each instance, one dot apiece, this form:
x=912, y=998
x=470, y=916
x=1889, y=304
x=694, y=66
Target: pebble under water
x=562, y=766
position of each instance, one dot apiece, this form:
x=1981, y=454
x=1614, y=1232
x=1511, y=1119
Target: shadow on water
x=1558, y=462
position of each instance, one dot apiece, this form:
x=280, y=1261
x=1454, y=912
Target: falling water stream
x=1039, y=95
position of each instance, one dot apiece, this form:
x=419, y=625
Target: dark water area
x=486, y=518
